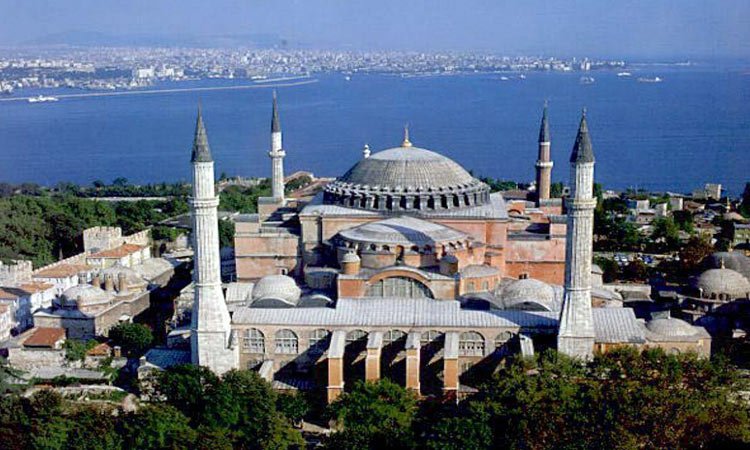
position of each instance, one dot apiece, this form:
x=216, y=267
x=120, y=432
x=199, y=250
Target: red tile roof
x=9, y=293
x=118, y=252
x=45, y=337
x=35, y=286
x=61, y=271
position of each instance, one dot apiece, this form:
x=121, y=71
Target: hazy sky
x=628, y=28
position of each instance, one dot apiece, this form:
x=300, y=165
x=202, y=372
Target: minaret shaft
x=544, y=162
x=576, y=334
x=277, y=155
x=210, y=335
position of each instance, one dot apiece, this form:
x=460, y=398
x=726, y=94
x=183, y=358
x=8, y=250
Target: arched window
x=391, y=336
x=402, y=287
x=485, y=285
x=471, y=343
x=428, y=337
x=287, y=342
x=501, y=342
x=319, y=341
x=355, y=336
x=253, y=341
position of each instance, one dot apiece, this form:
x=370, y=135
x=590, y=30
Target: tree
x=665, y=234
x=696, y=249
x=292, y=406
x=8, y=376
x=745, y=204
x=226, y=233
x=556, y=189
x=134, y=338
x=158, y=427
x=374, y=415
x=95, y=429
x=636, y=270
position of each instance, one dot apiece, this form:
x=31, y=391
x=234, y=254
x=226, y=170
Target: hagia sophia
x=407, y=267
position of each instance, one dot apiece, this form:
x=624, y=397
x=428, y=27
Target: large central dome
x=403, y=167
x=407, y=178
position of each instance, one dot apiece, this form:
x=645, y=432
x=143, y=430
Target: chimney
x=122, y=285
x=97, y=281
x=108, y=283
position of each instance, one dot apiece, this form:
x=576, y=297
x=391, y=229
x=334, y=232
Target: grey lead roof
x=611, y=325
x=583, y=152
x=403, y=230
x=201, y=150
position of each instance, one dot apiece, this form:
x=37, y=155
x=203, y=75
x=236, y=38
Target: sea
x=692, y=128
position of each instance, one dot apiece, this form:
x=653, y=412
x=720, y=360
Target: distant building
x=710, y=191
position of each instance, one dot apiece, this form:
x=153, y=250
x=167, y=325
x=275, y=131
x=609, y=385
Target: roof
x=8, y=293
x=279, y=287
x=239, y=292
x=403, y=230
x=394, y=312
x=723, y=281
x=583, y=152
x=45, y=337
x=118, y=252
x=401, y=167
x=617, y=325
x=164, y=358
x=61, y=271
x=478, y=270
x=33, y=287
x=102, y=349
x=201, y=150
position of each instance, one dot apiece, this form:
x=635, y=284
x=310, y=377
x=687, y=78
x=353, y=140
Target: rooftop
x=118, y=252
x=61, y=271
x=45, y=337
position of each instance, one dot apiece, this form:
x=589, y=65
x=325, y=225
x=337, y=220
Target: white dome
x=715, y=282
x=132, y=278
x=671, y=327
x=277, y=287
x=529, y=294
x=83, y=295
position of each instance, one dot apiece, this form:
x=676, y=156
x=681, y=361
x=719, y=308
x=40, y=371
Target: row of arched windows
x=470, y=343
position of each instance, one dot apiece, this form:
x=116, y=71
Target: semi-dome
x=405, y=231
x=671, y=327
x=529, y=294
x=723, y=282
x=276, y=288
x=407, y=178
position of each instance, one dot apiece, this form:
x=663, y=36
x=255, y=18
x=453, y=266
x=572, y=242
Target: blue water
x=676, y=135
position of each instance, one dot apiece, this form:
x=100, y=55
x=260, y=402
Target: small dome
x=277, y=287
x=529, y=294
x=717, y=282
x=83, y=295
x=671, y=327
x=736, y=261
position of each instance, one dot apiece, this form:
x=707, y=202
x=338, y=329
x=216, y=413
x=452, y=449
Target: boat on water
x=586, y=80
x=504, y=78
x=522, y=77
x=624, y=74
x=42, y=99
x=650, y=80
x=348, y=78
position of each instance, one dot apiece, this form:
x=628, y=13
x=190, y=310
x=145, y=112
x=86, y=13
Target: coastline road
x=175, y=90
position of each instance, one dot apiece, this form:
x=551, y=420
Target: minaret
x=543, y=163
x=277, y=155
x=576, y=335
x=210, y=328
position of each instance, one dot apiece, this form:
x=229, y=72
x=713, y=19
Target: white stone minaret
x=210, y=330
x=277, y=155
x=576, y=335
x=544, y=162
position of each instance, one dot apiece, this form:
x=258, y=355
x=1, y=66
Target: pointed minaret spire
x=201, y=150
x=544, y=127
x=582, y=149
x=276, y=154
x=275, y=122
x=366, y=151
x=406, y=142
x=543, y=162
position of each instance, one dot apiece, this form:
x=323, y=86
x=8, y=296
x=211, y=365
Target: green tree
x=556, y=189
x=158, y=427
x=665, y=234
x=745, y=204
x=134, y=338
x=692, y=254
x=226, y=233
x=95, y=429
x=374, y=415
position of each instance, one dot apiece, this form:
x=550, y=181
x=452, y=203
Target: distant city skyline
x=631, y=29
